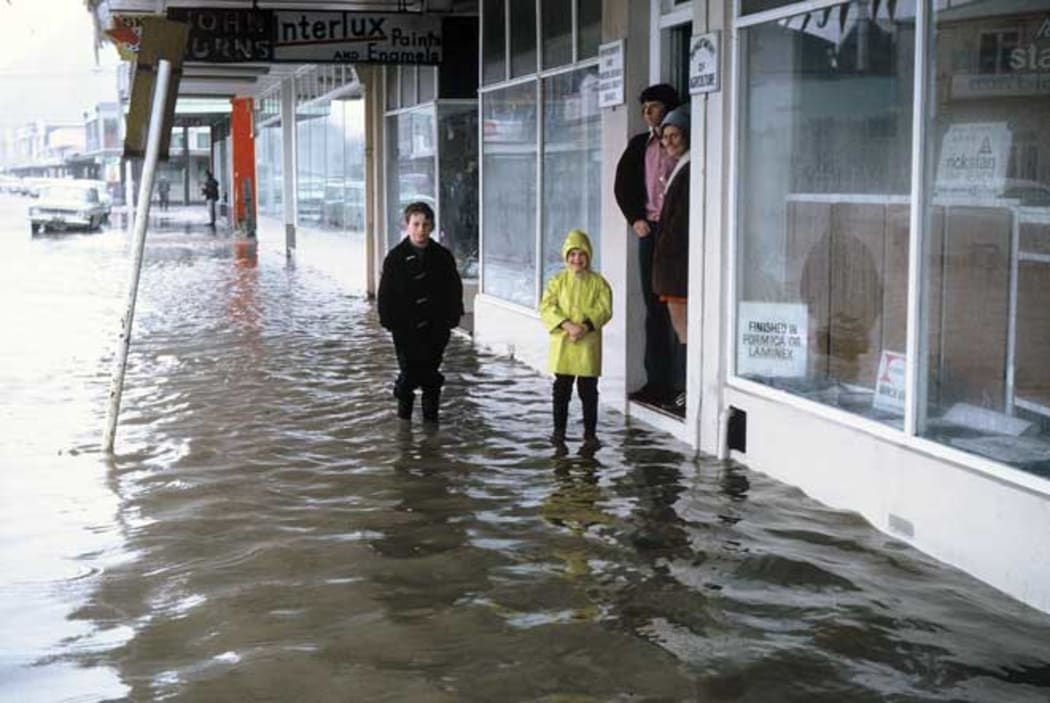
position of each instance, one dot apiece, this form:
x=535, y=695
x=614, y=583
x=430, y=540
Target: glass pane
x=408, y=86
x=522, y=37
x=674, y=54
x=273, y=165
x=571, y=154
x=411, y=178
x=458, y=151
x=393, y=92
x=824, y=206
x=494, y=41
x=509, y=193
x=354, y=139
x=332, y=208
x=987, y=275
x=589, y=15
x=556, y=16
x=427, y=83
x=749, y=7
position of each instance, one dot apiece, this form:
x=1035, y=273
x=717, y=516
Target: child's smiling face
x=578, y=260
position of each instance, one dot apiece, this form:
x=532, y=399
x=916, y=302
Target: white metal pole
x=149, y=166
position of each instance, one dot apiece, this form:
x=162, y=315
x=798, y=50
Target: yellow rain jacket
x=580, y=299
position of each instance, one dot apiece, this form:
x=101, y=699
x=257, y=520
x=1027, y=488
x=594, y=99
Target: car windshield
x=74, y=193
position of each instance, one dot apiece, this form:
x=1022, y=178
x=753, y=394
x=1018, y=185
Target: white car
x=64, y=206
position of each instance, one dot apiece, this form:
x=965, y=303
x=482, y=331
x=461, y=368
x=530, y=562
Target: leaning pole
x=149, y=167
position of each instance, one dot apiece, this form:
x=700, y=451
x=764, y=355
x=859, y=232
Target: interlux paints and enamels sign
x=230, y=36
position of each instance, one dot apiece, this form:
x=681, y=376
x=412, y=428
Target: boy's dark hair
x=419, y=208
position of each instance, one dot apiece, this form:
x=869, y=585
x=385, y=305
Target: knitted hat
x=679, y=117
x=660, y=92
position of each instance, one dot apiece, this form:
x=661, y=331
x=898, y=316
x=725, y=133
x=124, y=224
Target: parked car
x=64, y=206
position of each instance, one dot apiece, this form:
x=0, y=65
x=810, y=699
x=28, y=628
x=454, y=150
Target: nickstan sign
x=219, y=35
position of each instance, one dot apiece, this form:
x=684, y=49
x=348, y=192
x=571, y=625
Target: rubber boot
x=560, y=408
x=431, y=403
x=590, y=422
x=404, y=405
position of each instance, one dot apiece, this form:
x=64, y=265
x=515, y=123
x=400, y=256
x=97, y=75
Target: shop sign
x=219, y=35
x=610, y=74
x=703, y=63
x=772, y=339
x=889, y=384
x=126, y=35
x=973, y=159
x=351, y=37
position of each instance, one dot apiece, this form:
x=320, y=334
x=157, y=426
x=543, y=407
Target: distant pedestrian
x=164, y=190
x=420, y=300
x=576, y=304
x=210, y=190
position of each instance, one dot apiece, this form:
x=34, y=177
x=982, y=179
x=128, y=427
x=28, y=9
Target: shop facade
x=871, y=221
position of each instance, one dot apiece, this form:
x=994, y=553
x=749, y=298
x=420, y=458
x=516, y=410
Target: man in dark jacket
x=420, y=301
x=639, y=189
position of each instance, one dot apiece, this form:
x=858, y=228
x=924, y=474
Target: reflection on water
x=268, y=531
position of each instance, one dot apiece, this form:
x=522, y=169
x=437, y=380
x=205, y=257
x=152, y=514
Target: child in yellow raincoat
x=576, y=304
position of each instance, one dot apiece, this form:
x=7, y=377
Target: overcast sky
x=47, y=62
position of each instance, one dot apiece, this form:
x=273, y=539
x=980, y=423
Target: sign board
x=222, y=35
x=161, y=39
x=610, y=74
x=772, y=339
x=973, y=160
x=703, y=63
x=889, y=384
x=126, y=34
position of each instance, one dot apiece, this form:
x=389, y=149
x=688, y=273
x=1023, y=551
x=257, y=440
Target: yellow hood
x=576, y=239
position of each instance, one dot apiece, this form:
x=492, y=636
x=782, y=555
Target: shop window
x=494, y=41
x=508, y=132
x=522, y=37
x=823, y=206
x=987, y=219
x=571, y=154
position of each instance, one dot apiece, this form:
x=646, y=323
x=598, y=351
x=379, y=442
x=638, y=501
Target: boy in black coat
x=420, y=301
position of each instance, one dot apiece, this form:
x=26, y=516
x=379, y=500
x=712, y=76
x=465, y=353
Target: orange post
x=244, y=195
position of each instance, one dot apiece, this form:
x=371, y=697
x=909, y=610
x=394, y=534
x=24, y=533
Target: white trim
x=1033, y=257
x=849, y=198
x=1011, y=314
x=682, y=15
x=654, y=42
x=780, y=13
x=735, y=103
x=916, y=334
x=510, y=305
x=537, y=287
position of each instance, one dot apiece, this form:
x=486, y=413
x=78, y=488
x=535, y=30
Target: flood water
x=268, y=531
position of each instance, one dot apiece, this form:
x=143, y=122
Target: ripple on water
x=269, y=531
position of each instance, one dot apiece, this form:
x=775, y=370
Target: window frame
x=537, y=80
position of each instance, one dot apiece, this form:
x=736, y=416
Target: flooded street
x=268, y=531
